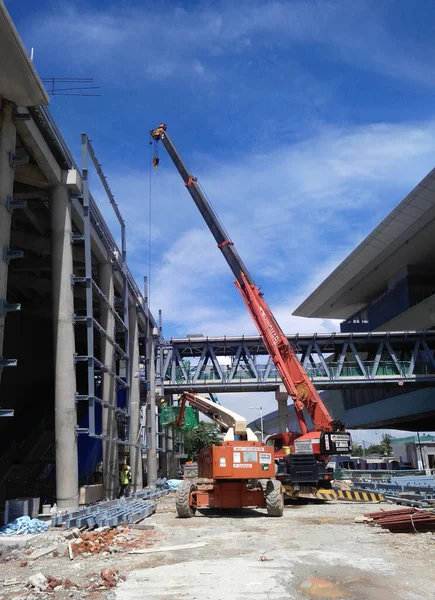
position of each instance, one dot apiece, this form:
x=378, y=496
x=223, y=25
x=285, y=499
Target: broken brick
x=67, y=584
x=53, y=582
x=24, y=563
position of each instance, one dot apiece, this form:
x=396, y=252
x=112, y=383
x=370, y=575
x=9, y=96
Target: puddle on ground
x=314, y=587
x=349, y=588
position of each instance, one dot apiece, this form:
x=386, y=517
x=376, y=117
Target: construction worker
x=124, y=480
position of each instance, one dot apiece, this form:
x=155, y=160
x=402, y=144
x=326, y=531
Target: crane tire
x=274, y=498
x=182, y=500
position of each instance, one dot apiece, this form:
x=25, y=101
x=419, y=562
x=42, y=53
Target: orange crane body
x=230, y=466
x=230, y=473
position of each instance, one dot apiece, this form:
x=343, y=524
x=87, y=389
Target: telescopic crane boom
x=322, y=442
x=293, y=375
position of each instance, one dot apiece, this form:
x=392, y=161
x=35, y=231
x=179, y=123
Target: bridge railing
x=352, y=370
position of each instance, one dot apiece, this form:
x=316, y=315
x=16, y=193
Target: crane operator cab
x=307, y=463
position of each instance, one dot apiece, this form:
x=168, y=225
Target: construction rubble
x=77, y=555
x=56, y=562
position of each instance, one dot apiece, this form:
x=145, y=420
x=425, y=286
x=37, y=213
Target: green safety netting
x=169, y=414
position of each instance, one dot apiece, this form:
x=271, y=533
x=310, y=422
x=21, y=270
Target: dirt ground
x=313, y=551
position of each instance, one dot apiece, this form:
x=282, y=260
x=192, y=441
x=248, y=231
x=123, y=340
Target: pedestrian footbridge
x=332, y=361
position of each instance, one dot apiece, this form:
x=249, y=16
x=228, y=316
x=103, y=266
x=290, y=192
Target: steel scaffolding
x=121, y=372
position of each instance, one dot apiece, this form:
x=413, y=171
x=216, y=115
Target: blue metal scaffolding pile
x=113, y=512
x=410, y=490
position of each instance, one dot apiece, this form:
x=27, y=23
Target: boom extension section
x=231, y=422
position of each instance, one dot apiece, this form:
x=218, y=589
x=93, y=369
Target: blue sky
x=306, y=122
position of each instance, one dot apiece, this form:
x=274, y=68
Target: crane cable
x=150, y=203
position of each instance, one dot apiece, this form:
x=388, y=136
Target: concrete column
x=171, y=460
x=64, y=346
x=7, y=145
x=108, y=391
x=281, y=396
x=135, y=425
x=151, y=413
x=167, y=445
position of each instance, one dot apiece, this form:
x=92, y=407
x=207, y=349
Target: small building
x=419, y=451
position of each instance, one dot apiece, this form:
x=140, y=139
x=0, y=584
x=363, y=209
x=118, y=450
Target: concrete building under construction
x=75, y=329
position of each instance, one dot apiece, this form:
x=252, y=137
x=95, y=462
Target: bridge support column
x=281, y=396
x=63, y=329
x=169, y=463
x=107, y=357
x=7, y=147
x=135, y=425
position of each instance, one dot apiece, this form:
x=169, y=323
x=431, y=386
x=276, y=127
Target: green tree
x=357, y=450
x=206, y=434
x=374, y=449
x=386, y=445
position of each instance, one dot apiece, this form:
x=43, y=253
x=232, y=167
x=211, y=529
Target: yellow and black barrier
x=312, y=493
x=359, y=496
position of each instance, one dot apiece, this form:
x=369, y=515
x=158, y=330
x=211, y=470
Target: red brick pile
x=53, y=583
x=110, y=540
x=96, y=542
x=110, y=577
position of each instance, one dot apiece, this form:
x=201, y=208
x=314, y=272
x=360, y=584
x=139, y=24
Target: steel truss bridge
x=332, y=361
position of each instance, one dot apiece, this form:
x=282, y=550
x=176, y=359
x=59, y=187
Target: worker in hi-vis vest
x=124, y=480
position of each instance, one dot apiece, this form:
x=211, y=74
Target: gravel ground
x=313, y=551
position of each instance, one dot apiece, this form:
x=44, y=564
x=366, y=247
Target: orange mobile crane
x=312, y=449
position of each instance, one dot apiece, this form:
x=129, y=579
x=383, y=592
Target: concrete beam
x=31, y=175
x=34, y=195
x=19, y=81
x=38, y=149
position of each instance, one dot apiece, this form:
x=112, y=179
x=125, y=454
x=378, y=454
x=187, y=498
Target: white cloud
x=164, y=41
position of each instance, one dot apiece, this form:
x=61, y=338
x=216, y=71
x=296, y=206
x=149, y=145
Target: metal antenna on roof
x=53, y=89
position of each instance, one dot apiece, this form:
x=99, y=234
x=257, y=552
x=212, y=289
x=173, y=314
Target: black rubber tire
x=274, y=498
x=182, y=504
